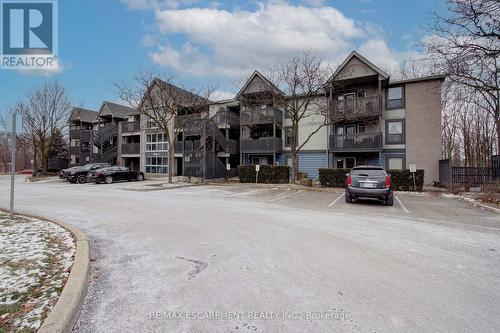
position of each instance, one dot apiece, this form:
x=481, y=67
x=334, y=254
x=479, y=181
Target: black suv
x=79, y=174
x=369, y=182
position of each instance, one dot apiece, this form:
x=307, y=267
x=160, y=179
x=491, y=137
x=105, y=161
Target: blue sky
x=216, y=43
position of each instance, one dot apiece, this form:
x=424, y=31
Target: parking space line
x=402, y=206
x=335, y=201
x=286, y=196
x=239, y=194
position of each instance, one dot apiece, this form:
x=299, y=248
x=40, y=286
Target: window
x=394, y=131
x=156, y=142
x=151, y=124
x=288, y=136
x=395, y=98
x=156, y=165
x=395, y=163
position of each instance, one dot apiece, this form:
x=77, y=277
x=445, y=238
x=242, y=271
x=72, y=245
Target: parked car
x=113, y=174
x=369, y=182
x=65, y=172
x=79, y=174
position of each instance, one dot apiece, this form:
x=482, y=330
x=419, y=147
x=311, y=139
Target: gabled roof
x=263, y=78
x=83, y=115
x=116, y=110
x=368, y=63
x=189, y=96
x=419, y=79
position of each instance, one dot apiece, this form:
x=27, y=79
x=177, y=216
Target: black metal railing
x=131, y=148
x=131, y=126
x=261, y=116
x=261, y=145
x=353, y=142
x=355, y=108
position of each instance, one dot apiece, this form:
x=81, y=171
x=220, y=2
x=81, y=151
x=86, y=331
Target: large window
x=396, y=163
x=156, y=142
x=395, y=98
x=395, y=131
x=156, y=165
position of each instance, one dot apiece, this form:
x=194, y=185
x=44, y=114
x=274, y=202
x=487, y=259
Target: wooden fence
x=474, y=176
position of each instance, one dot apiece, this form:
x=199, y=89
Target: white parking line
x=335, y=201
x=286, y=196
x=239, y=194
x=402, y=206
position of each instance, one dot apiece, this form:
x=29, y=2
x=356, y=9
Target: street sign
x=257, y=168
x=413, y=168
x=228, y=167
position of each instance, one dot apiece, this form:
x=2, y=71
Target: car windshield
x=368, y=172
x=87, y=166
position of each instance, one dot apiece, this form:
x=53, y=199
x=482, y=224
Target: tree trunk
x=497, y=124
x=294, y=164
x=171, y=160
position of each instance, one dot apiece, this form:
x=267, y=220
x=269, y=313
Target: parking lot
x=425, y=264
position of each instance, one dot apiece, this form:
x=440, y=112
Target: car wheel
x=81, y=179
x=389, y=201
x=108, y=180
x=140, y=177
x=348, y=198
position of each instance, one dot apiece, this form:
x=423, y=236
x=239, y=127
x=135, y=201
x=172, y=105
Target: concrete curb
x=491, y=209
x=64, y=314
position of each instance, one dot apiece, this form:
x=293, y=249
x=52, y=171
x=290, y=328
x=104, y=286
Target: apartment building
x=372, y=119
x=110, y=135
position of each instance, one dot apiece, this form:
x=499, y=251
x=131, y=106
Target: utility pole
x=12, y=164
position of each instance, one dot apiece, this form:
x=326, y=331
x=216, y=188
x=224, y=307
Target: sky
x=216, y=43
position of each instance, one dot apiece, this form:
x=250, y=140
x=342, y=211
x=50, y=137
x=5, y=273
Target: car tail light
x=387, y=182
x=349, y=181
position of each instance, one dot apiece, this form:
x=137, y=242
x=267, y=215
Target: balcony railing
x=131, y=126
x=356, y=142
x=261, y=116
x=131, y=148
x=74, y=151
x=74, y=133
x=227, y=118
x=261, y=145
x=357, y=108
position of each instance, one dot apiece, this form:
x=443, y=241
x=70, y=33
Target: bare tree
x=297, y=87
x=466, y=47
x=165, y=105
x=44, y=113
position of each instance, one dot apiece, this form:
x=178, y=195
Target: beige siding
x=423, y=127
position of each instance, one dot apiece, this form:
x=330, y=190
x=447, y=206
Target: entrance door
x=350, y=162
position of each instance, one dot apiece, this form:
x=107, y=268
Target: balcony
x=355, y=109
x=261, y=116
x=74, y=134
x=356, y=142
x=261, y=145
x=131, y=127
x=227, y=119
x=86, y=136
x=131, y=148
x=74, y=151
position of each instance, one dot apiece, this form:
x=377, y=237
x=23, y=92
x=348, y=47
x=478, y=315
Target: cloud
x=229, y=43
x=61, y=67
x=222, y=42
x=219, y=95
x=156, y=4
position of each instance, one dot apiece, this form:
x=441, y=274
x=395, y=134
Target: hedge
x=402, y=179
x=269, y=174
x=333, y=177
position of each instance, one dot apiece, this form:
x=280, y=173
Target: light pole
x=12, y=164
